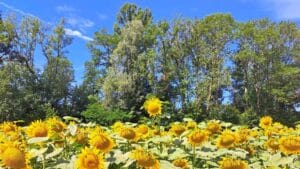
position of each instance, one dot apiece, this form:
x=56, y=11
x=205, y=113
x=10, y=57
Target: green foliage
x=95, y=112
x=188, y=63
x=230, y=114
x=249, y=117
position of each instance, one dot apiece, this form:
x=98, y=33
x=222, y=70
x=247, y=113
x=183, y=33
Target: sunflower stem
x=44, y=161
x=194, y=156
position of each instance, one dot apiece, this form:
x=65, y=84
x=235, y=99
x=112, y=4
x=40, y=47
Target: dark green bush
x=95, y=112
x=230, y=114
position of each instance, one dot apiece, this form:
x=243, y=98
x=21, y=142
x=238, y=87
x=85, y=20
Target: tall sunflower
x=265, y=122
x=153, y=106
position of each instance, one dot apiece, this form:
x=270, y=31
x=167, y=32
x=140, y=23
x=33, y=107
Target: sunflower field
x=69, y=143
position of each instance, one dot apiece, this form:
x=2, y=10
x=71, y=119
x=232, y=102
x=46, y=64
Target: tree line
x=213, y=67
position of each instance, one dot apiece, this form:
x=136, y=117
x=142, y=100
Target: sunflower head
x=14, y=156
x=37, y=129
x=177, y=129
x=90, y=159
x=102, y=142
x=272, y=144
x=8, y=127
x=117, y=126
x=265, y=122
x=145, y=159
x=81, y=136
x=143, y=130
x=229, y=163
x=197, y=137
x=243, y=135
x=56, y=125
x=226, y=139
x=153, y=106
x=213, y=127
x=181, y=163
x=290, y=145
x=191, y=125
x=129, y=134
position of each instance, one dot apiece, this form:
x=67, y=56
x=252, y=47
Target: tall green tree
x=58, y=73
x=266, y=77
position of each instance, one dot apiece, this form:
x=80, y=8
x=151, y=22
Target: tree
x=58, y=73
x=126, y=54
x=266, y=75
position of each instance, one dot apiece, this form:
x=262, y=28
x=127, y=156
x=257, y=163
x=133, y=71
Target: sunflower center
x=128, y=134
x=13, y=158
x=102, y=142
x=91, y=161
x=40, y=131
x=227, y=140
x=198, y=138
x=147, y=161
x=292, y=145
x=58, y=127
x=153, y=108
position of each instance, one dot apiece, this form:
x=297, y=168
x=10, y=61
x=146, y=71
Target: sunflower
x=191, y=125
x=213, y=127
x=117, y=126
x=181, y=163
x=81, y=136
x=272, y=144
x=101, y=141
x=13, y=155
x=145, y=159
x=129, y=134
x=56, y=125
x=226, y=139
x=197, y=137
x=265, y=122
x=243, y=135
x=153, y=106
x=229, y=163
x=37, y=129
x=8, y=127
x=143, y=130
x=290, y=145
x=90, y=159
x=177, y=129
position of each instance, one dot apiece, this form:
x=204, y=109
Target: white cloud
x=80, y=22
x=73, y=17
x=78, y=34
x=69, y=32
x=65, y=8
x=11, y=8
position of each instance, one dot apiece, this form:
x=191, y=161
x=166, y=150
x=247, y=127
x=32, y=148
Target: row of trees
x=193, y=64
x=27, y=92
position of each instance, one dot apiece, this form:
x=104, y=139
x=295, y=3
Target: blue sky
x=85, y=17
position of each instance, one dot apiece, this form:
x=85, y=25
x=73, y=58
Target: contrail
x=69, y=32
